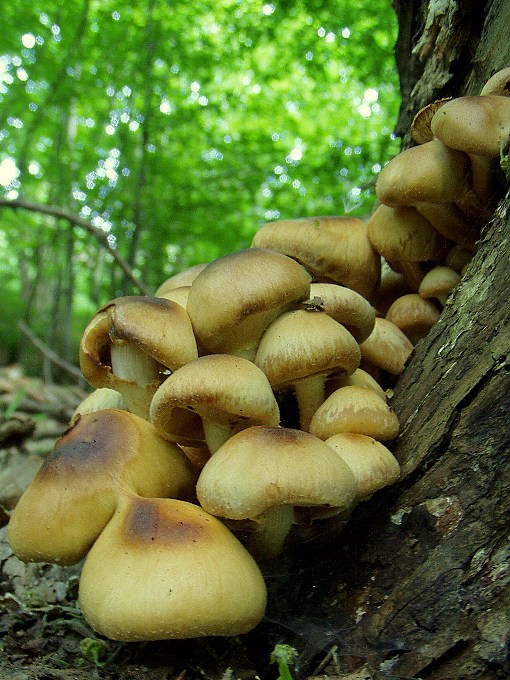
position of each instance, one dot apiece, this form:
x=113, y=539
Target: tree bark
x=417, y=584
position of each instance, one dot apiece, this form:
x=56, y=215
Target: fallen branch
x=62, y=213
x=49, y=353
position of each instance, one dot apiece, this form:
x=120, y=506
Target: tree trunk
x=417, y=585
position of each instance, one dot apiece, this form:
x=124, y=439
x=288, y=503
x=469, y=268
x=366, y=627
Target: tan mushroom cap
x=414, y=315
x=439, y=283
x=355, y=409
x=262, y=473
x=420, y=126
x=498, y=84
x=227, y=392
x=99, y=400
x=184, y=278
x=387, y=348
x=474, y=124
x=179, y=294
x=430, y=172
x=129, y=344
x=451, y=222
x=401, y=233
x=235, y=298
x=359, y=378
x=75, y=492
x=371, y=463
x=165, y=569
x=333, y=249
x=299, y=350
x=346, y=306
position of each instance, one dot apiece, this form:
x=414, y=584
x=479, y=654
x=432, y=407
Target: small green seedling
x=284, y=656
x=94, y=650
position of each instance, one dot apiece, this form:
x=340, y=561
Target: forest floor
x=43, y=634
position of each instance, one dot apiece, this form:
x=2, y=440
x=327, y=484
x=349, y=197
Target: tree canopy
x=175, y=131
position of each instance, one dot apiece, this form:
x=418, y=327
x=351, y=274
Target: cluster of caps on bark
x=246, y=398
x=436, y=196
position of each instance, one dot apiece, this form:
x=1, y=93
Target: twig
x=49, y=353
x=62, y=213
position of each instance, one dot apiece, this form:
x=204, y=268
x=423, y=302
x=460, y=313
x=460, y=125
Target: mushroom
x=179, y=295
x=165, y=569
x=235, y=298
x=480, y=127
x=355, y=409
x=344, y=305
x=227, y=392
x=387, y=347
x=98, y=400
x=406, y=240
x=414, y=315
x=76, y=490
x=299, y=350
x=184, y=278
x=359, y=378
x=333, y=249
x=131, y=342
x=262, y=473
x=499, y=84
x=438, y=283
x=372, y=464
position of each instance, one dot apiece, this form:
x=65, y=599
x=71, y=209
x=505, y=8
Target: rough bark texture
x=417, y=586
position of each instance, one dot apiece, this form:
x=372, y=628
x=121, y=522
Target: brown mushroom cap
x=355, y=409
x=74, y=494
x=165, y=569
x=346, y=306
x=371, y=463
x=430, y=172
x=235, y=298
x=333, y=249
x=473, y=124
x=420, y=126
x=99, y=400
x=262, y=469
x=439, y=283
x=179, y=294
x=359, y=378
x=227, y=392
x=414, y=315
x=499, y=84
x=299, y=350
x=129, y=344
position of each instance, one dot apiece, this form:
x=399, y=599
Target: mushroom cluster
x=434, y=199
x=249, y=395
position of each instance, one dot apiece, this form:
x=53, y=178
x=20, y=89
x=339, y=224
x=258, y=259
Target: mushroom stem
x=216, y=434
x=310, y=394
x=268, y=540
x=137, y=370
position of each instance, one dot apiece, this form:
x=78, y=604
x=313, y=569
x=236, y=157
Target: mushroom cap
x=387, y=347
x=333, y=249
x=402, y=234
x=430, y=172
x=99, y=400
x=74, y=494
x=300, y=344
x=165, y=569
x=235, y=298
x=355, y=409
x=439, y=282
x=221, y=388
x=263, y=467
x=499, y=84
x=371, y=463
x=473, y=124
x=158, y=327
x=179, y=294
x=413, y=315
x=184, y=278
x=420, y=126
x=346, y=306
x=360, y=378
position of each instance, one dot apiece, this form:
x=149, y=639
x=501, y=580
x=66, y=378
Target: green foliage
x=94, y=650
x=178, y=129
x=284, y=656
